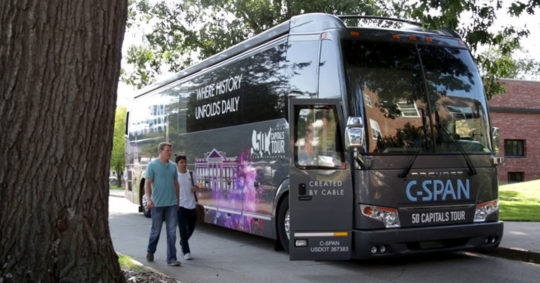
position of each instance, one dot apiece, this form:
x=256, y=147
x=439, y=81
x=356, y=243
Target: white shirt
x=186, y=197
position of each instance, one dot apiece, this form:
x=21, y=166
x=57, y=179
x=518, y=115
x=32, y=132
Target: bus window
x=303, y=58
x=231, y=94
x=317, y=142
x=388, y=78
x=457, y=98
x=329, y=81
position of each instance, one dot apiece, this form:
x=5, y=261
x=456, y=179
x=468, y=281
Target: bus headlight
x=483, y=210
x=388, y=216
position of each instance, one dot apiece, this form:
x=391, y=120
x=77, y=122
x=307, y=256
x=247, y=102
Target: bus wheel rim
x=287, y=224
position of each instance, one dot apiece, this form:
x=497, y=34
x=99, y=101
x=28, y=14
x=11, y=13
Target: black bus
x=339, y=136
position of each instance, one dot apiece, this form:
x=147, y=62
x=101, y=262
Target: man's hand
x=148, y=192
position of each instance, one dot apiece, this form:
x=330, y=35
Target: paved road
x=226, y=256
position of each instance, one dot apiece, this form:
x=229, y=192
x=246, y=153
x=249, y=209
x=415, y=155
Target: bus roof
x=300, y=24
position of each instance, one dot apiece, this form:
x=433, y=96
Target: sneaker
x=188, y=256
x=150, y=257
x=174, y=263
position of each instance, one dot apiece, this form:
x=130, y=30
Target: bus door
x=321, y=192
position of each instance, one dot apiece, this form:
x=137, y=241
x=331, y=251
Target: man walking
x=162, y=193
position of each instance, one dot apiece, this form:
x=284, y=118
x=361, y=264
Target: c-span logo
x=438, y=190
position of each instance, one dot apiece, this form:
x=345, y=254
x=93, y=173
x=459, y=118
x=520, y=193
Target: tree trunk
x=120, y=178
x=59, y=69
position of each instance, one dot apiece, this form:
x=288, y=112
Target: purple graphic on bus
x=232, y=183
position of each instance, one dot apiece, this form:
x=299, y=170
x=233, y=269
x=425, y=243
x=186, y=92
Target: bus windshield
x=416, y=98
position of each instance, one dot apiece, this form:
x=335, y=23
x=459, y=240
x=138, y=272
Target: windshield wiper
x=406, y=171
x=472, y=170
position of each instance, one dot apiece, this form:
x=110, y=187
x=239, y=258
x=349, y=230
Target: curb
x=514, y=254
x=154, y=270
x=117, y=195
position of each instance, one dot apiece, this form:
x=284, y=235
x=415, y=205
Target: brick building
x=517, y=114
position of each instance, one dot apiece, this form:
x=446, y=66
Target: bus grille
x=439, y=244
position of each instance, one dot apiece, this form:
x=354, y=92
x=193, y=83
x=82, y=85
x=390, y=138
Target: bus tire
x=146, y=210
x=283, y=223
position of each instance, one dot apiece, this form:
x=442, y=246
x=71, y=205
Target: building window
x=407, y=109
x=367, y=99
x=514, y=148
x=375, y=129
x=514, y=177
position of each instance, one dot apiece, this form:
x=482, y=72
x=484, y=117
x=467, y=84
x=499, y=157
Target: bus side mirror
x=354, y=133
x=495, y=135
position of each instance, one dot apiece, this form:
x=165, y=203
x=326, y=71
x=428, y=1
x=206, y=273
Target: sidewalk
x=116, y=193
x=521, y=240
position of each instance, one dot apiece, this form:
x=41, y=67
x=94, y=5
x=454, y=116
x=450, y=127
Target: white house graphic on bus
x=216, y=171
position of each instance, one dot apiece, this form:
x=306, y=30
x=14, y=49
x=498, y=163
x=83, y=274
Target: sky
x=532, y=22
x=529, y=45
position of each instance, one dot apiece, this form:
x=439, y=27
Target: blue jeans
x=167, y=213
x=186, y=226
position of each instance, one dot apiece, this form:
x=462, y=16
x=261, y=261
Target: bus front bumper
x=418, y=240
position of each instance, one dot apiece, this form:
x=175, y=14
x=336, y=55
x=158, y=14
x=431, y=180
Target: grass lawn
x=114, y=187
x=127, y=263
x=520, y=201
